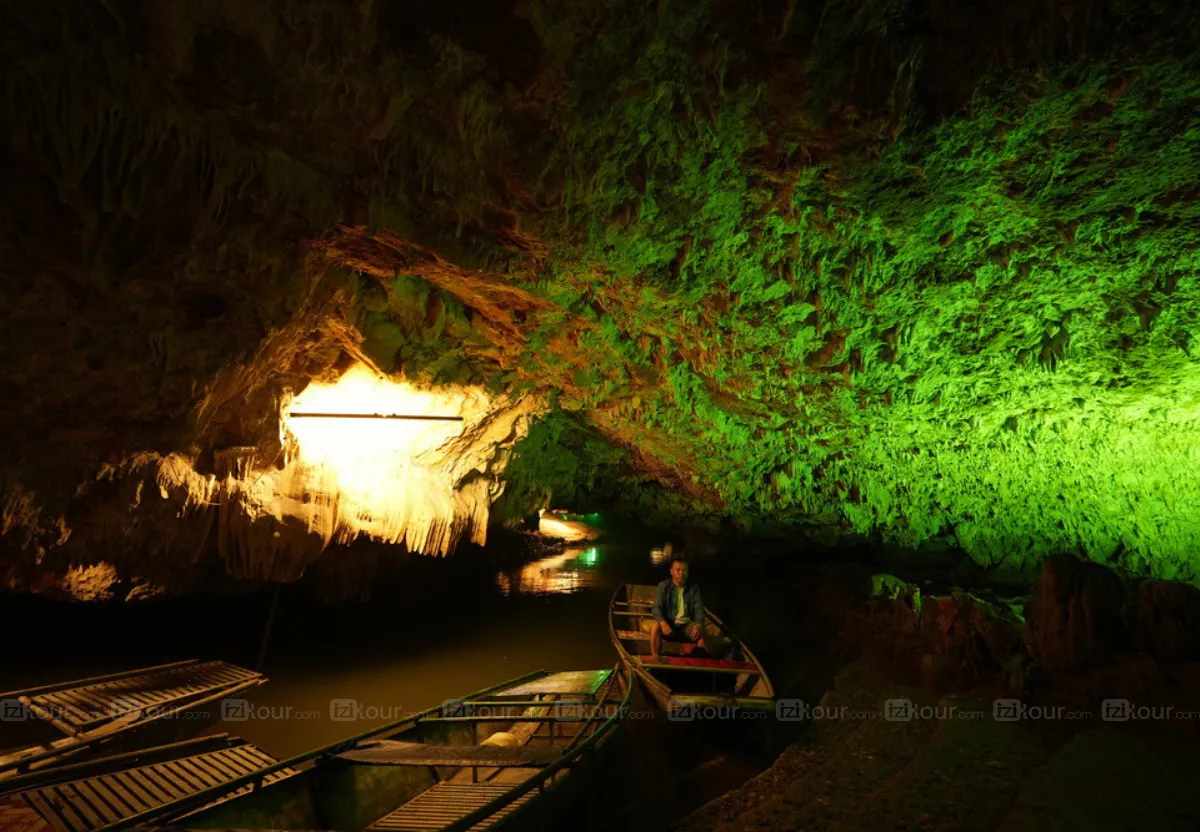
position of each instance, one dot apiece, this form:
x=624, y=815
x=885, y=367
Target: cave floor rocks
x=950, y=772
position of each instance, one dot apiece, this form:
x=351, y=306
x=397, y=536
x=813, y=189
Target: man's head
x=679, y=571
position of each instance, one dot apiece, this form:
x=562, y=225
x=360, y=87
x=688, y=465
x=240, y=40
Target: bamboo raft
x=106, y=792
x=517, y=751
x=109, y=713
x=685, y=676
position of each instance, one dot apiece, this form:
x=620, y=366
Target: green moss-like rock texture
x=905, y=268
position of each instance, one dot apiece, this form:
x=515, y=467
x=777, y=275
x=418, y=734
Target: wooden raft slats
x=104, y=795
x=181, y=776
x=91, y=704
x=68, y=699
x=80, y=804
x=445, y=803
x=92, y=802
x=94, y=680
x=209, y=771
x=58, y=815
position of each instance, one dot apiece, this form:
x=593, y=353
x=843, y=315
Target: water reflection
x=570, y=571
x=660, y=556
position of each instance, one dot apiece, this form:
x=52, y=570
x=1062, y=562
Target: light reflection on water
x=660, y=556
x=569, y=571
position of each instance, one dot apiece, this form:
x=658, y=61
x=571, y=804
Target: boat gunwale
x=88, y=681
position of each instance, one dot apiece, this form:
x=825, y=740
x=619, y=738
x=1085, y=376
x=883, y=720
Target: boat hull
x=749, y=692
x=112, y=714
x=437, y=770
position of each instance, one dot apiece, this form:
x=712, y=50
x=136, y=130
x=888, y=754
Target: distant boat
x=683, y=676
x=517, y=752
x=107, y=714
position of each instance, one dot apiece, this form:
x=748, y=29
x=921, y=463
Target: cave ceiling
x=921, y=272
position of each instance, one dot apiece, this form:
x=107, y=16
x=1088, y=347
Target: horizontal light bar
x=373, y=416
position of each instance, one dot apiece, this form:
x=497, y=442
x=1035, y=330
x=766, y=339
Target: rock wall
x=238, y=500
x=1085, y=634
x=921, y=272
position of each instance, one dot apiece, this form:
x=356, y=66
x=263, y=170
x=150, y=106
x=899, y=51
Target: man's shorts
x=678, y=633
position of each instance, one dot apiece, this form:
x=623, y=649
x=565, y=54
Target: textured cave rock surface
x=1085, y=634
x=1088, y=635
x=980, y=775
x=909, y=272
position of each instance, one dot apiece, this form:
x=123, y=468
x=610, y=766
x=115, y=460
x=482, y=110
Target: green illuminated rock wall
x=906, y=269
x=981, y=326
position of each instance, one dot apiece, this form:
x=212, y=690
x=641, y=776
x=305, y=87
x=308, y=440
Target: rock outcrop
x=1076, y=620
x=1082, y=621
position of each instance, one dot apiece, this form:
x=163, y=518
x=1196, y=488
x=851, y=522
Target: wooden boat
x=684, y=676
x=81, y=797
x=106, y=714
x=514, y=753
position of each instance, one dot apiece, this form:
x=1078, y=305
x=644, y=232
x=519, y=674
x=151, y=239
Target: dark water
x=435, y=630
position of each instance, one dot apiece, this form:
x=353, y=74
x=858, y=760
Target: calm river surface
x=436, y=629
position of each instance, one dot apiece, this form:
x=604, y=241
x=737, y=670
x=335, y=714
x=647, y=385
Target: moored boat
x=684, y=675
x=119, y=711
x=107, y=791
x=515, y=753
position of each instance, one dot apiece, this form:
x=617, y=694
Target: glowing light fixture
x=389, y=470
x=374, y=416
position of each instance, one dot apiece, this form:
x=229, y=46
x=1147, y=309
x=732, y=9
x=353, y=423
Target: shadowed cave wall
x=917, y=272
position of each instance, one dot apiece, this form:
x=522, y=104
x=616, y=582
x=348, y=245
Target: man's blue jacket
x=664, y=602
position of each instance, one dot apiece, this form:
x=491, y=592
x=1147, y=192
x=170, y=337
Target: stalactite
x=274, y=522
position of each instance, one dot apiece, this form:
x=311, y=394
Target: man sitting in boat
x=678, y=611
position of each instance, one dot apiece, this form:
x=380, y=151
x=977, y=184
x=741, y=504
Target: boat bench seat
x=397, y=753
